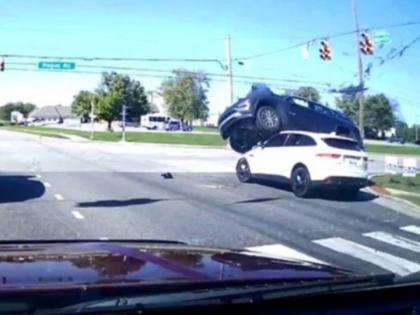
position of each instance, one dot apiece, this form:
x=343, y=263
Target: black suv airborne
x=262, y=113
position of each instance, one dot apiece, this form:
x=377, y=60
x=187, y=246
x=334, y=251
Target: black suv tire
x=239, y=145
x=243, y=172
x=267, y=119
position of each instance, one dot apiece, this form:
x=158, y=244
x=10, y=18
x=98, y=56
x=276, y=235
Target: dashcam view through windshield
x=243, y=140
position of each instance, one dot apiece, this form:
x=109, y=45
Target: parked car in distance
x=307, y=161
x=176, y=125
x=262, y=113
x=394, y=139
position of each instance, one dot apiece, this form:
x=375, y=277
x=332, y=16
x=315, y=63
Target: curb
x=388, y=195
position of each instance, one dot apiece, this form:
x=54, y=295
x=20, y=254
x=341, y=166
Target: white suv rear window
x=342, y=144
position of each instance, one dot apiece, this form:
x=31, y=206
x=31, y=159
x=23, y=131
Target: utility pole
x=360, y=71
x=228, y=47
x=124, y=112
x=92, y=119
x=417, y=127
x=151, y=93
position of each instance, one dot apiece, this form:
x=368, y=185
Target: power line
x=147, y=75
x=208, y=60
x=300, y=44
x=210, y=74
x=80, y=58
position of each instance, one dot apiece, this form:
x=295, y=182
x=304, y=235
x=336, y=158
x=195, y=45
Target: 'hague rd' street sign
x=56, y=65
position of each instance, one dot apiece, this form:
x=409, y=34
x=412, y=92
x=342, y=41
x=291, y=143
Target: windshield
x=116, y=124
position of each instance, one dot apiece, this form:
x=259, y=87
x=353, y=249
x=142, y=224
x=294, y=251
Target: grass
x=388, y=149
x=148, y=137
x=181, y=138
x=44, y=133
x=410, y=184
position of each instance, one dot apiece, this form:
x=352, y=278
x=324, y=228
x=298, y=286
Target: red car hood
x=64, y=265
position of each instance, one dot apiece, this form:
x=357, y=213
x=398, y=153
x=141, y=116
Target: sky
x=197, y=29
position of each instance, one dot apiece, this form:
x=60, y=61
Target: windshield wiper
x=218, y=296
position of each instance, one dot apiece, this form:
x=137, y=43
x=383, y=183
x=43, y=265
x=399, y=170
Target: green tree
x=116, y=90
x=308, y=92
x=81, y=105
x=349, y=105
x=404, y=131
x=24, y=108
x=378, y=115
x=185, y=95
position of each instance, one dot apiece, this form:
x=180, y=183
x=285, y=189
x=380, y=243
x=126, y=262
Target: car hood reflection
x=24, y=266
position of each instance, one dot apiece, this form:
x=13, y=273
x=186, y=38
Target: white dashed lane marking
x=38, y=176
x=104, y=238
x=77, y=215
x=47, y=184
x=58, y=197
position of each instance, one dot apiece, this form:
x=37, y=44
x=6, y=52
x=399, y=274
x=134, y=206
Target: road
x=55, y=189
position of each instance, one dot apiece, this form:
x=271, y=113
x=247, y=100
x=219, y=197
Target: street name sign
x=56, y=65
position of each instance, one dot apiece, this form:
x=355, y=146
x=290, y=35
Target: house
x=56, y=114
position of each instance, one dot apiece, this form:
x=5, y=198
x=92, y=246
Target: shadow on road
x=19, y=188
x=117, y=203
x=336, y=196
x=325, y=194
x=258, y=200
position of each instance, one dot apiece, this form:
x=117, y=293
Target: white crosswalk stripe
x=395, y=240
x=397, y=265
x=411, y=228
x=383, y=259
x=280, y=251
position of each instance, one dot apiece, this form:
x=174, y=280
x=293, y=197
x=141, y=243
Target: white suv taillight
x=329, y=155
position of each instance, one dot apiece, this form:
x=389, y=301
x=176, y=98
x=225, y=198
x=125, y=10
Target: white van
x=154, y=121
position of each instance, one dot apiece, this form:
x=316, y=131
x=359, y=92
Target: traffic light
x=325, y=52
x=2, y=65
x=366, y=44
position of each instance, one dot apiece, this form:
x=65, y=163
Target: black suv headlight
x=244, y=106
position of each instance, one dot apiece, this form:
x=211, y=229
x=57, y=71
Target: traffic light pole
x=360, y=71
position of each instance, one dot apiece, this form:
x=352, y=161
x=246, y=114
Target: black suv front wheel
x=240, y=145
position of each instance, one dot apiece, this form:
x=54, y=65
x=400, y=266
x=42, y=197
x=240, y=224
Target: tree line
x=185, y=98
x=185, y=95
x=380, y=113
x=23, y=108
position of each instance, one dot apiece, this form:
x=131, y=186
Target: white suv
x=307, y=160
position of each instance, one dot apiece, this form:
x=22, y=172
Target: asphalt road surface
x=66, y=189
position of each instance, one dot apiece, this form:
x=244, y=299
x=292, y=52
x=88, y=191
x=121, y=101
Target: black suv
x=262, y=113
